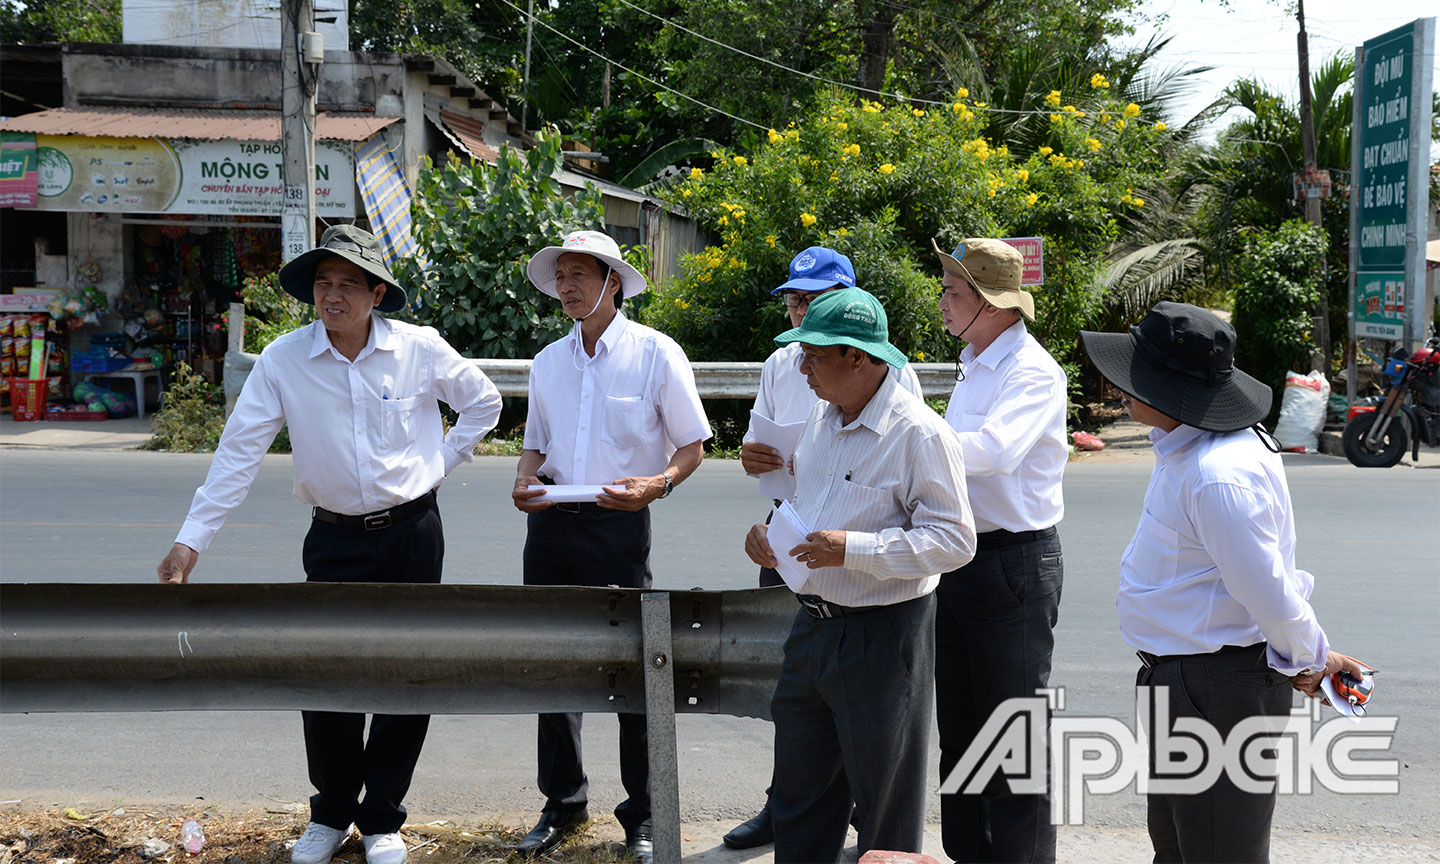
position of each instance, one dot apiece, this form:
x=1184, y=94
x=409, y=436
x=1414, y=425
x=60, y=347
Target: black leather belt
x=1150, y=661
x=579, y=507
x=821, y=608
x=1000, y=537
x=380, y=519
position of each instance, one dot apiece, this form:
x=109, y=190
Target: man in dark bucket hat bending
x=360, y=396
x=1209, y=594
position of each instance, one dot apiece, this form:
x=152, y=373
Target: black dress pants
x=594, y=547
x=1222, y=823
x=852, y=716
x=994, y=641
x=342, y=761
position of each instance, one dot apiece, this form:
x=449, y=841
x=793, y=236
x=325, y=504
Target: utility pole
x=301, y=52
x=529, y=32
x=1321, y=328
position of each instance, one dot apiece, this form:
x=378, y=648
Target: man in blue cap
x=786, y=398
x=880, y=487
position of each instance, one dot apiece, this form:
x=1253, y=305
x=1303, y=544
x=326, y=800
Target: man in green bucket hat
x=881, y=505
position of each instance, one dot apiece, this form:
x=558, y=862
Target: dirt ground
x=258, y=837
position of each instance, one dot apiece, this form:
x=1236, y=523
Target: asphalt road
x=1370, y=537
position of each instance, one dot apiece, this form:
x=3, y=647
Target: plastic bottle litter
x=192, y=837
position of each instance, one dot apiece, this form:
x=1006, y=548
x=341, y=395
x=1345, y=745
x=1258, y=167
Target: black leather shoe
x=551, y=831
x=640, y=847
x=755, y=831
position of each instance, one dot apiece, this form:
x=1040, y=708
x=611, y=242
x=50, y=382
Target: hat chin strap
x=966, y=328
x=608, y=271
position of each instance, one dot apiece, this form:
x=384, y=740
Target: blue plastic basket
x=97, y=361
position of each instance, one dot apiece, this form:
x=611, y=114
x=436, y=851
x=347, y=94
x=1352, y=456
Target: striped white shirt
x=894, y=481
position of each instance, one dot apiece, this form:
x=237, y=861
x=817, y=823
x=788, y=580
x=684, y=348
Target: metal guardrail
x=434, y=649
x=713, y=380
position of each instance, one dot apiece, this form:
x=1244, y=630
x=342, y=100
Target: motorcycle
x=1376, y=436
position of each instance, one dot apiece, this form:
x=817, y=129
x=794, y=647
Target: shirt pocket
x=968, y=422
x=1153, y=556
x=628, y=421
x=399, y=420
x=863, y=508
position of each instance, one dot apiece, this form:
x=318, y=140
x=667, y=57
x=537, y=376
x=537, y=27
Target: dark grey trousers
x=852, y=723
x=993, y=641
x=1223, y=824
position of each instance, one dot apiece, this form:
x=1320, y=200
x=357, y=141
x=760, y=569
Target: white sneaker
x=318, y=844
x=384, y=849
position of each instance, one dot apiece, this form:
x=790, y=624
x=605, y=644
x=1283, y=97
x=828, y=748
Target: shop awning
x=465, y=132
x=213, y=125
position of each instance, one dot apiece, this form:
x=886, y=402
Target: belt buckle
x=819, y=610
x=376, y=521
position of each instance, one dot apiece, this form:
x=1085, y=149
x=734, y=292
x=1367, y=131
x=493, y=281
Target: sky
x=1257, y=38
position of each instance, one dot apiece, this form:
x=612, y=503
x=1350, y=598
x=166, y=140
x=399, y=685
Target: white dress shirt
x=1010, y=415
x=1213, y=559
x=366, y=435
x=894, y=481
x=784, y=396
x=622, y=413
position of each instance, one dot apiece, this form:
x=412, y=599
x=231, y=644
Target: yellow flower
x=1139, y=202
x=851, y=150
x=1105, y=117
x=917, y=112
x=684, y=193
x=1046, y=151
x=842, y=125
x=740, y=160
x=1093, y=144
x=991, y=193
x=980, y=104
x=696, y=173
x=807, y=219
x=962, y=93
x=1098, y=81
x=775, y=137
x=1053, y=99
x=1119, y=124
x=920, y=355
x=841, y=232
x=873, y=108
x=1031, y=199
x=1022, y=175
x=887, y=168
x=736, y=263
x=1160, y=127
x=724, y=220
x=770, y=239
x=957, y=108
x=1056, y=118
x=1132, y=110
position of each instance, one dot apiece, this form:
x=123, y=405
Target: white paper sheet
x=570, y=494
x=786, y=531
x=1341, y=705
x=777, y=485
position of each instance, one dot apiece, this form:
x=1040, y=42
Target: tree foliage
x=1279, y=282
x=878, y=183
x=478, y=224
x=29, y=22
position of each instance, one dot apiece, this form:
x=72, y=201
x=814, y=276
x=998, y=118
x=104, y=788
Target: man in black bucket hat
x=1209, y=594
x=359, y=393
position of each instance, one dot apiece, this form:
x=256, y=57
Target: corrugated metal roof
x=471, y=133
x=218, y=124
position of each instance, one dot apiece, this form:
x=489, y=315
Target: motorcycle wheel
x=1386, y=453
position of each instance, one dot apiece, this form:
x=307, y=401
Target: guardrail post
x=660, y=725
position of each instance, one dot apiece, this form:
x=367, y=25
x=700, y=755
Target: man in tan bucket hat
x=994, y=616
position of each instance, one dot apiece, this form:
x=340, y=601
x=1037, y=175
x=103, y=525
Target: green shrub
x=192, y=416
x=269, y=312
x=1279, y=282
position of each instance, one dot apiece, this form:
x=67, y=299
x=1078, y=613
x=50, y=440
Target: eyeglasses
x=795, y=299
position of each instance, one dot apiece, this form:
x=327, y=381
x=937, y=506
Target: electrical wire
x=639, y=75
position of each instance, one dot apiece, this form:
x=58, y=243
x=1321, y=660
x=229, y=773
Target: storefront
x=165, y=223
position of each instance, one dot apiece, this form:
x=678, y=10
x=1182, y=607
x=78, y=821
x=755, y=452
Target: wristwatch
x=669, y=484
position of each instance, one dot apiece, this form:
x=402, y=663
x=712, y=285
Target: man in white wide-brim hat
x=612, y=404
x=1209, y=596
